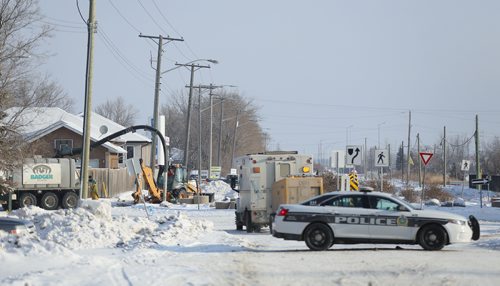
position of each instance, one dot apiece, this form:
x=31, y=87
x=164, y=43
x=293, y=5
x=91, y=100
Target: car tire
x=27, y=199
x=49, y=201
x=70, y=200
x=432, y=237
x=318, y=236
x=474, y=224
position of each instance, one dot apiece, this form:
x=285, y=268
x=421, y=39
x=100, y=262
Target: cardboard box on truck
x=294, y=190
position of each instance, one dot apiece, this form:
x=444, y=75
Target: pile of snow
x=222, y=190
x=93, y=226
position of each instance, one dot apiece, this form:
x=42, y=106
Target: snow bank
x=222, y=191
x=92, y=226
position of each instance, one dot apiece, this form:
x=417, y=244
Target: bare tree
x=240, y=119
x=20, y=34
x=118, y=111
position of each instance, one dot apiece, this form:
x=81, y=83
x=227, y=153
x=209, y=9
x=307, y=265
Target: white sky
x=322, y=71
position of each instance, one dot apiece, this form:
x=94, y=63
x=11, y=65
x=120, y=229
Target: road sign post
x=465, y=168
x=354, y=155
x=426, y=157
x=382, y=160
x=481, y=182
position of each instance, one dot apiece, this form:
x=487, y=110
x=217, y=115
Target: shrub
x=435, y=191
x=410, y=195
x=375, y=184
x=329, y=182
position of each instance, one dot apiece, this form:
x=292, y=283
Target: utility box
x=294, y=190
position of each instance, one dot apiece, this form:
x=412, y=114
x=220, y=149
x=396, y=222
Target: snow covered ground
x=113, y=242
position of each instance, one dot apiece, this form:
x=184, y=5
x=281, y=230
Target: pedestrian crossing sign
x=382, y=158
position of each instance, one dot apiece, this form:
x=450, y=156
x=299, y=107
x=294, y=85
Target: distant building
x=51, y=129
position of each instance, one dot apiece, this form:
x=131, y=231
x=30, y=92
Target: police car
x=369, y=217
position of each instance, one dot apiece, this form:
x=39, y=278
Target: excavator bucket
x=154, y=192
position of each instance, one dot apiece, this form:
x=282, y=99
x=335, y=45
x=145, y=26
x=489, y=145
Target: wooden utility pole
x=402, y=162
x=408, y=155
x=444, y=157
x=419, y=162
x=156, y=107
x=91, y=25
x=478, y=167
x=193, y=68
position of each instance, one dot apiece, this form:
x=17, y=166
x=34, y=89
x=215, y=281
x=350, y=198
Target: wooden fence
x=111, y=182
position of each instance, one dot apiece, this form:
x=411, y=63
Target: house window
x=63, y=144
x=130, y=152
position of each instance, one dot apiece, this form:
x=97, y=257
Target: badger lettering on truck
x=49, y=183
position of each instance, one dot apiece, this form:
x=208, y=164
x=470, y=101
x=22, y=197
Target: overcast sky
x=323, y=72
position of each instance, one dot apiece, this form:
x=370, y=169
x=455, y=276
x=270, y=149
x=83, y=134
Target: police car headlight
x=456, y=221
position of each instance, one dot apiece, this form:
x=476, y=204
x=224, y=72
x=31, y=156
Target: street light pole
x=156, y=108
x=193, y=68
x=378, y=126
x=188, y=127
x=234, y=136
x=220, y=130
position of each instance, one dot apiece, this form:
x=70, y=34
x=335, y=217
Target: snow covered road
x=181, y=245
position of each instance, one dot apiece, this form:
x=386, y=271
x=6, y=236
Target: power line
x=123, y=17
x=129, y=66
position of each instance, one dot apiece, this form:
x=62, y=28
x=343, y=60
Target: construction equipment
x=49, y=183
x=154, y=191
x=177, y=184
x=257, y=175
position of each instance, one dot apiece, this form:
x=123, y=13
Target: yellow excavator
x=147, y=178
x=176, y=184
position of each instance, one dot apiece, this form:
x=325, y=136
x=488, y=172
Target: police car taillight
x=283, y=212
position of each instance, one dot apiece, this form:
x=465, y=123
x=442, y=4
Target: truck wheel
x=237, y=220
x=50, y=201
x=70, y=200
x=248, y=221
x=318, y=236
x=27, y=199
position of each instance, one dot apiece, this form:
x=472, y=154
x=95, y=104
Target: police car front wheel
x=432, y=237
x=318, y=236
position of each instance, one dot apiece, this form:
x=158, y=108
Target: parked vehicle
x=17, y=227
x=259, y=196
x=49, y=183
x=369, y=217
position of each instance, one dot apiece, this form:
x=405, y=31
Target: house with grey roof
x=52, y=129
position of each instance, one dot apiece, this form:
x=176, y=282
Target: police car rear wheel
x=318, y=237
x=432, y=237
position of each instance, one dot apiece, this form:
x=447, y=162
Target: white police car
x=369, y=217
